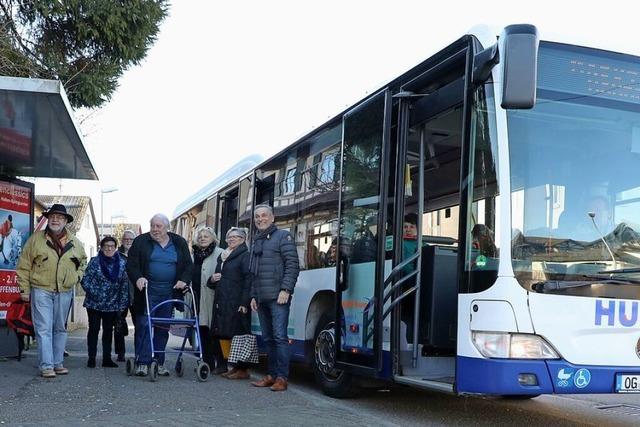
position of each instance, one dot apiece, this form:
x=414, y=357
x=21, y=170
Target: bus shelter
x=38, y=138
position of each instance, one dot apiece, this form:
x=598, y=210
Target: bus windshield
x=575, y=180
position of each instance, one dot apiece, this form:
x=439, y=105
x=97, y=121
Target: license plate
x=627, y=383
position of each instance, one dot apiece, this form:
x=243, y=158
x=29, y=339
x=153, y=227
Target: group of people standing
x=226, y=284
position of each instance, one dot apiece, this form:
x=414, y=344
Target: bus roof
x=232, y=174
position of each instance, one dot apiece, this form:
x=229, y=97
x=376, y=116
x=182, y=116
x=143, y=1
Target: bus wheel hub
x=325, y=352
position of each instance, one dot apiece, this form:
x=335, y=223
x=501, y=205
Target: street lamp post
x=116, y=216
x=102, y=192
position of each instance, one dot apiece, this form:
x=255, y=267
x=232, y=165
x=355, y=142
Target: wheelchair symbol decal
x=582, y=378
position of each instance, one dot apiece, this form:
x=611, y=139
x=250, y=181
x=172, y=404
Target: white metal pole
x=101, y=214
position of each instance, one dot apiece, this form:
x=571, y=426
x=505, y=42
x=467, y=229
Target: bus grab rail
x=397, y=285
x=397, y=300
x=399, y=267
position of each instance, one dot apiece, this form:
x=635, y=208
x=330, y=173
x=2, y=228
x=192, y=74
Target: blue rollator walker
x=189, y=322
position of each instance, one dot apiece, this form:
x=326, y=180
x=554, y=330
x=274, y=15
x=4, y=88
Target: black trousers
x=108, y=319
x=216, y=352
x=118, y=338
x=211, y=350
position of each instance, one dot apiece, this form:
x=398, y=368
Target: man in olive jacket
x=51, y=263
x=274, y=267
x=159, y=261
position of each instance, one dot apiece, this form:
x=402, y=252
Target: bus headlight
x=503, y=345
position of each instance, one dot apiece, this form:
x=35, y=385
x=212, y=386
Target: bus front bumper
x=516, y=377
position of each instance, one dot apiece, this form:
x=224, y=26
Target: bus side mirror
x=519, y=58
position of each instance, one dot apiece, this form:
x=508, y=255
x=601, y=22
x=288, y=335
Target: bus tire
x=334, y=383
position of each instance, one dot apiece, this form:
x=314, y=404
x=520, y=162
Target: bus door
x=361, y=236
x=421, y=292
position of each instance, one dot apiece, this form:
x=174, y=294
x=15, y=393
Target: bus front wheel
x=334, y=382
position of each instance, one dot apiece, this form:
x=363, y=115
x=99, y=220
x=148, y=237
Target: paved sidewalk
x=107, y=396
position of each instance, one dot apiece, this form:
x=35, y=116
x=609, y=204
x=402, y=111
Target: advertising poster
x=16, y=224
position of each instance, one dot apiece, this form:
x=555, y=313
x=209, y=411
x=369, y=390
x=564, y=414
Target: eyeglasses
x=109, y=247
x=127, y=239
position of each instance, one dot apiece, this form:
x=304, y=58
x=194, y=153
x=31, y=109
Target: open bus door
x=361, y=236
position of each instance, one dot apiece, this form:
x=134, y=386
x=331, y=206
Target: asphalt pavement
x=107, y=396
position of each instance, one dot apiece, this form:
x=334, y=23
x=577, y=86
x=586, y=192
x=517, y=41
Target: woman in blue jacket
x=107, y=293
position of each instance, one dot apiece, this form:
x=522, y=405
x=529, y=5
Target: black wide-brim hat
x=59, y=209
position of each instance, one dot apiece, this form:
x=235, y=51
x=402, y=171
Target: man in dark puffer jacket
x=274, y=266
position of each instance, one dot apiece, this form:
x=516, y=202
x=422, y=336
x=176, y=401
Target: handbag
x=244, y=348
x=121, y=327
x=19, y=318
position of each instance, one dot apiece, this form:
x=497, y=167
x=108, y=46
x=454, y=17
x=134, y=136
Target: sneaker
x=162, y=371
x=120, y=358
x=60, y=370
x=91, y=363
x=142, y=371
x=48, y=373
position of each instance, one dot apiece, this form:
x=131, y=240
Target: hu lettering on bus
x=608, y=311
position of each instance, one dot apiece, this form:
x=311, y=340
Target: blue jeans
x=274, y=321
x=49, y=311
x=160, y=335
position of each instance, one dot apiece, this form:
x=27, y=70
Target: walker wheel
x=179, y=368
x=202, y=372
x=153, y=371
x=130, y=364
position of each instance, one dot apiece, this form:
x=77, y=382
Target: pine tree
x=86, y=44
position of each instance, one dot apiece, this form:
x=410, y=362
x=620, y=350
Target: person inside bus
x=482, y=241
x=364, y=245
x=409, y=247
x=577, y=224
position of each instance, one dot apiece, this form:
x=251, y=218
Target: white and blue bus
x=516, y=158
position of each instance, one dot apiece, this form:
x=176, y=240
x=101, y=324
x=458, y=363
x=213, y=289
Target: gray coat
x=273, y=263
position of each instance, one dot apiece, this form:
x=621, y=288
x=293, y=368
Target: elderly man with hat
x=52, y=262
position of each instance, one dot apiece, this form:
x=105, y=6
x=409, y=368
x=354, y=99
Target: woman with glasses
x=121, y=328
x=205, y=253
x=106, y=286
x=232, y=284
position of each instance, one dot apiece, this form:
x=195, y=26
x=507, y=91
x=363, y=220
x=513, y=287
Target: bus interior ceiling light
x=503, y=345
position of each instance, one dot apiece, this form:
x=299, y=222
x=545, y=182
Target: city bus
x=471, y=227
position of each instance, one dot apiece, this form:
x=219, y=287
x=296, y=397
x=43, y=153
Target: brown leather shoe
x=229, y=372
x=267, y=381
x=279, y=385
x=239, y=374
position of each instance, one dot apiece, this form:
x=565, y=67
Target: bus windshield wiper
x=556, y=285
x=621, y=271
